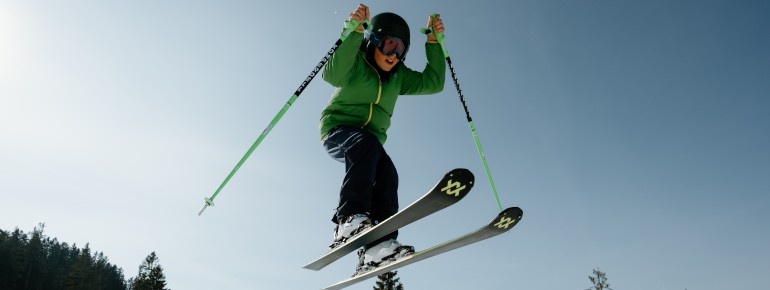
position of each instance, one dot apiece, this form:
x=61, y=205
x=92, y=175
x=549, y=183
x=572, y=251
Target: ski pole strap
x=439, y=35
x=350, y=26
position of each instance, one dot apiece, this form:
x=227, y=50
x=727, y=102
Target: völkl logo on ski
x=505, y=222
x=453, y=188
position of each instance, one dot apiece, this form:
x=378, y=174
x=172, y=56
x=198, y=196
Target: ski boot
x=350, y=226
x=380, y=255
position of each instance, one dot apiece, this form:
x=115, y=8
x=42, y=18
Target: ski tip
x=513, y=211
x=454, y=186
x=461, y=172
x=507, y=219
x=463, y=175
x=456, y=183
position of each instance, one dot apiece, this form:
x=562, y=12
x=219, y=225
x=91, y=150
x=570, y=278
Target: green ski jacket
x=362, y=99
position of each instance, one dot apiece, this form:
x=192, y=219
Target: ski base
x=451, y=189
x=504, y=221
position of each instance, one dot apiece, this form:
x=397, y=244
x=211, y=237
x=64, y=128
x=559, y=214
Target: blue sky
x=632, y=133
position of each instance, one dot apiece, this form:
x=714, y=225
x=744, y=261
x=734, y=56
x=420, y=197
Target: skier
x=369, y=75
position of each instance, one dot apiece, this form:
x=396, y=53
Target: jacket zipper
x=379, y=95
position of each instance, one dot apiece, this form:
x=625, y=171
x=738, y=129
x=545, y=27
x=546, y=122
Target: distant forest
x=32, y=261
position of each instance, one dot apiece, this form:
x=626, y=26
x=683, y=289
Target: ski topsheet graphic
x=449, y=190
x=504, y=221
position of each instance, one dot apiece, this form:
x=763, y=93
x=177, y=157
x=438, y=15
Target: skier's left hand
x=361, y=14
x=436, y=25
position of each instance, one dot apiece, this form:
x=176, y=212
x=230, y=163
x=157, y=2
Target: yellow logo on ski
x=453, y=188
x=504, y=222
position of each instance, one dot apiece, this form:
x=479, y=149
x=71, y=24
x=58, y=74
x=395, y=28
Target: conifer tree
x=388, y=281
x=150, y=276
x=599, y=280
x=36, y=262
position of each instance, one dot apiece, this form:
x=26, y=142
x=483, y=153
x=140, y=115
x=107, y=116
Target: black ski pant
x=371, y=181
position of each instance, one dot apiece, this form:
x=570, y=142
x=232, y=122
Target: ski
x=452, y=187
x=504, y=221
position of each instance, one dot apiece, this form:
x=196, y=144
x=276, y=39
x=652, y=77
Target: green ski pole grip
x=439, y=35
x=350, y=26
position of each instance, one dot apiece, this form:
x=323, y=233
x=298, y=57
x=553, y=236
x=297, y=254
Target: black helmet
x=390, y=24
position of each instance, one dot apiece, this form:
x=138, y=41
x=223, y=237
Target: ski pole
x=440, y=38
x=350, y=26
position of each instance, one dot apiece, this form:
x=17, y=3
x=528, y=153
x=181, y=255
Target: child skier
x=369, y=75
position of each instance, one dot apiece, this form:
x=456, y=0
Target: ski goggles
x=388, y=44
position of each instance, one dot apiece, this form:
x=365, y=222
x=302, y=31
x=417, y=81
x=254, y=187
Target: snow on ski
x=452, y=187
x=504, y=221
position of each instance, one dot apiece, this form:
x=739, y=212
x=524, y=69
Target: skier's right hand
x=360, y=14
